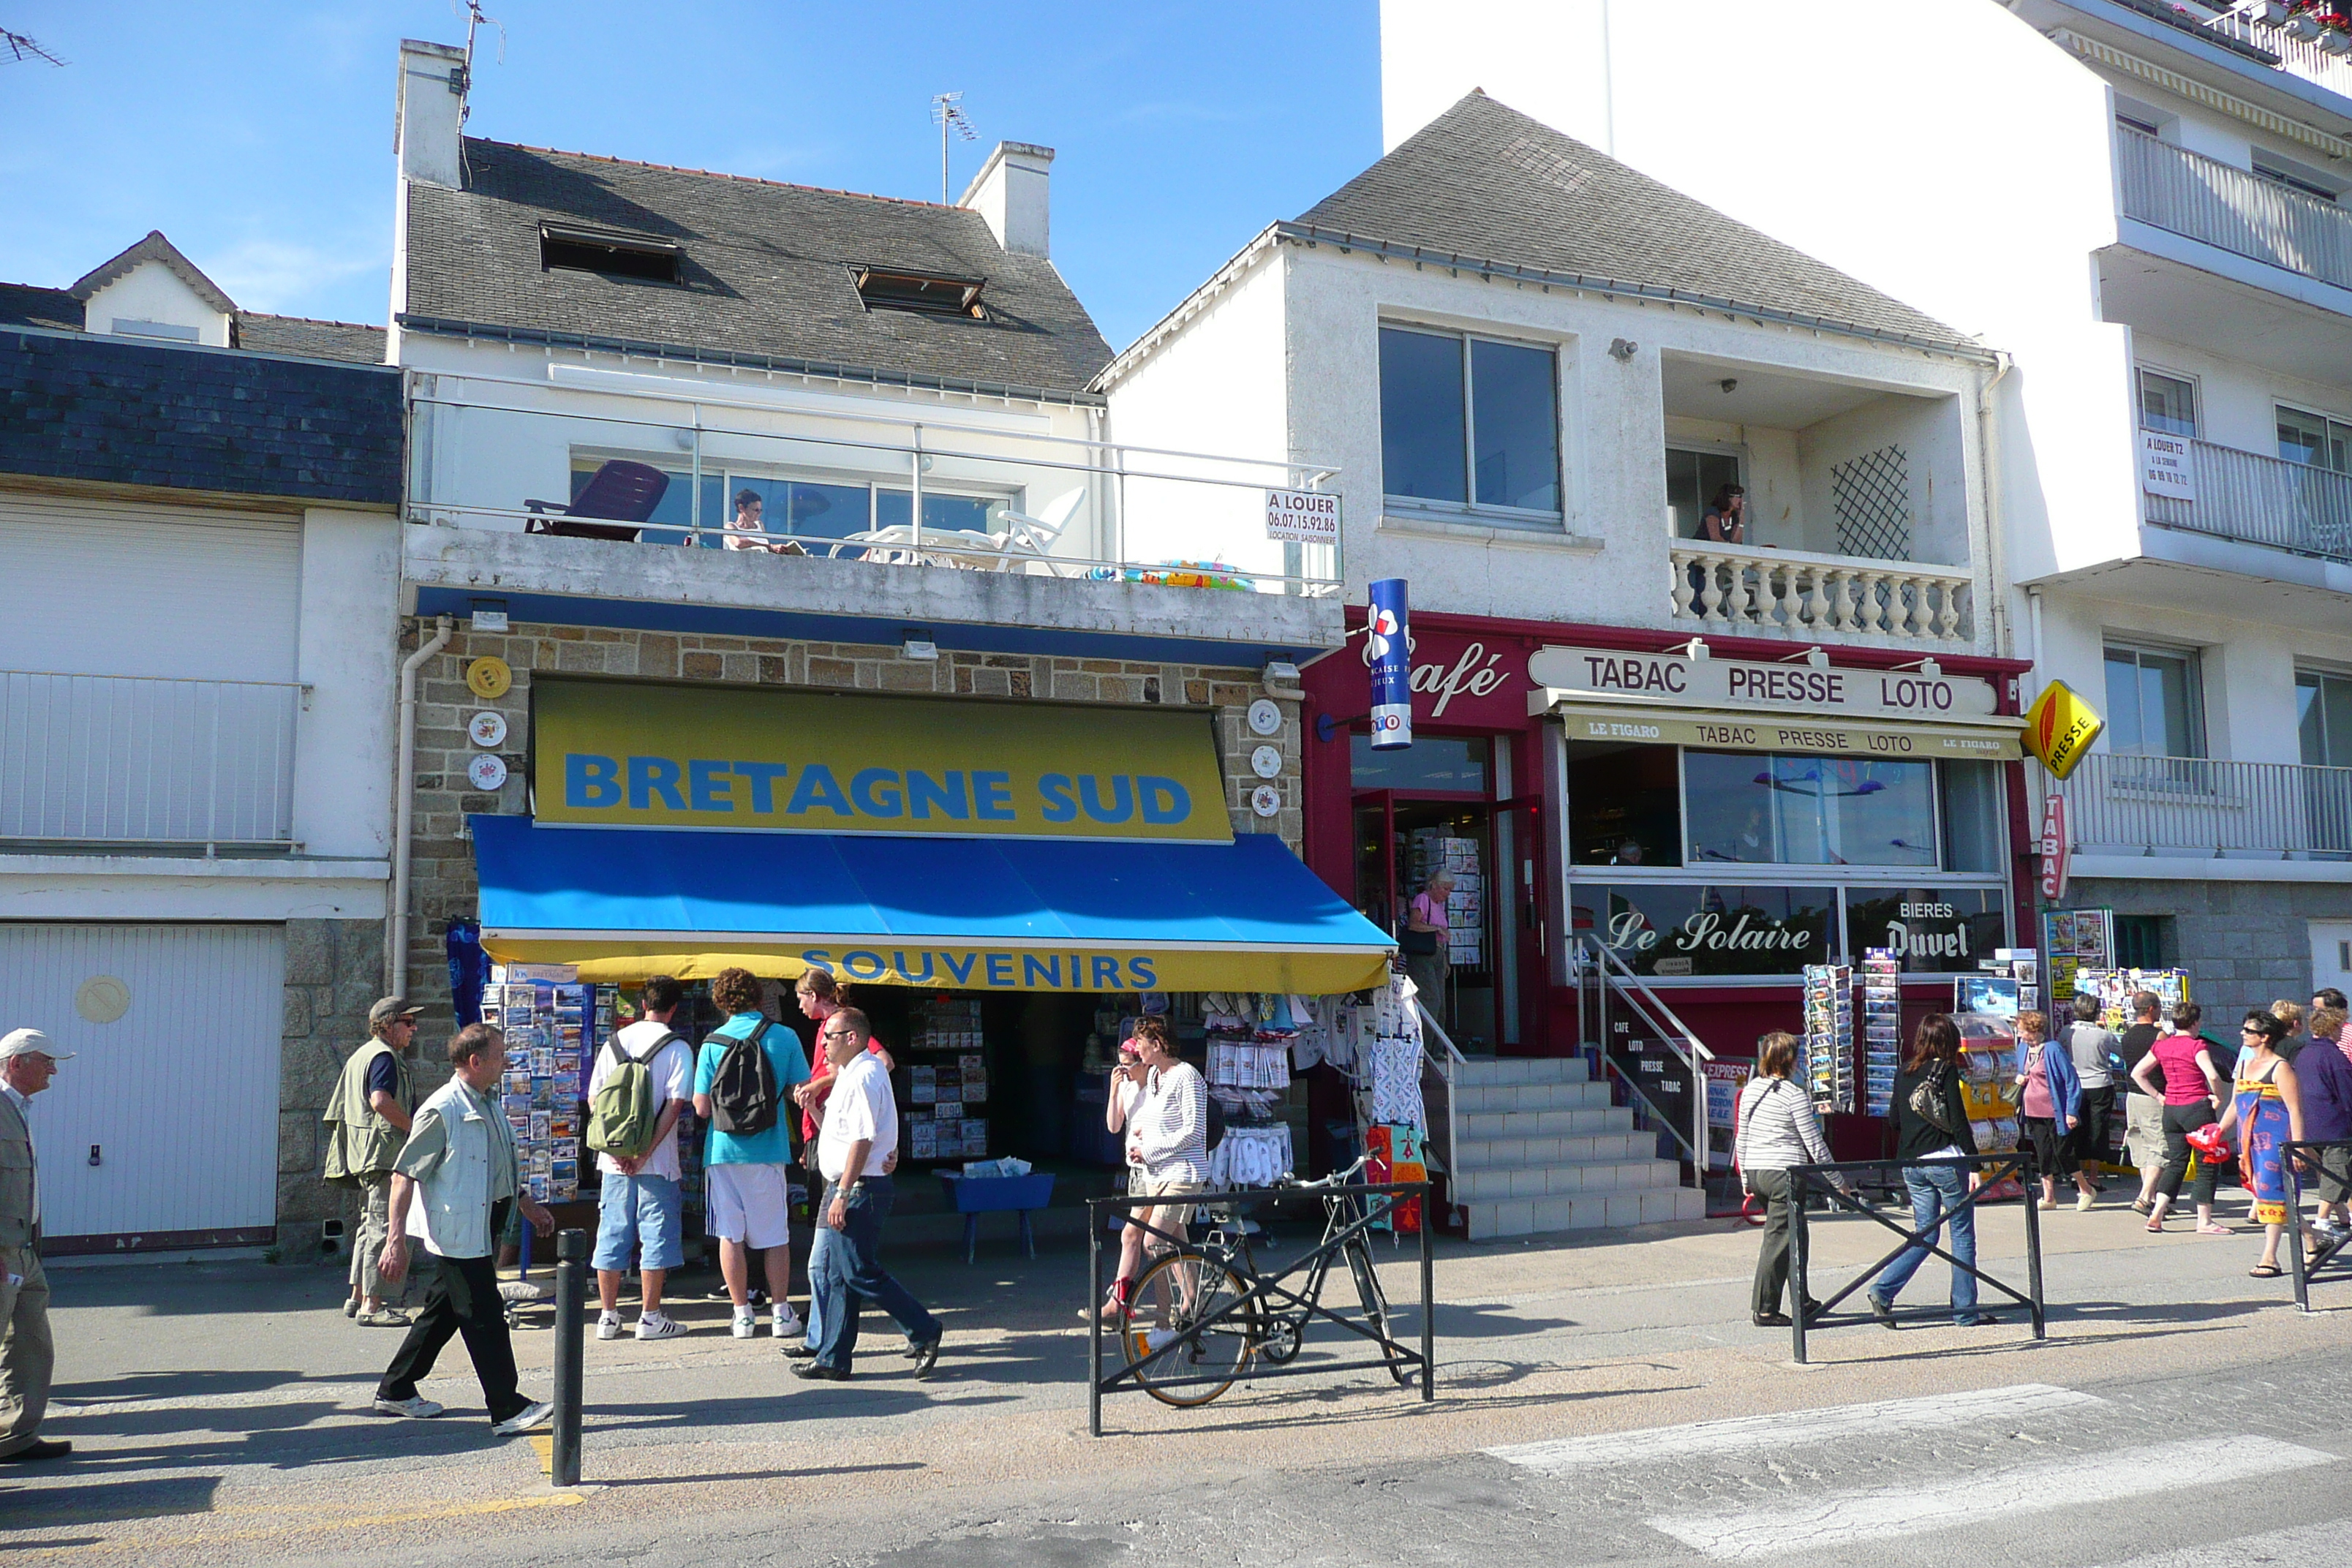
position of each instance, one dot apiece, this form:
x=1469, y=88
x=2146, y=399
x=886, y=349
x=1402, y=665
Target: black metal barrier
x=571, y=1330
x=1269, y=1316
x=1991, y=1169
x=2327, y=1260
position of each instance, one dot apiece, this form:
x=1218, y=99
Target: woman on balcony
x=1724, y=521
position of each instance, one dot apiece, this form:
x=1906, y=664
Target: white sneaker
x=608, y=1326
x=415, y=1409
x=532, y=1415
x=658, y=1326
x=787, y=1325
x=523, y=1291
x=746, y=1324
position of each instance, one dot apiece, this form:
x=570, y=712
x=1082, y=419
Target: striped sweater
x=1777, y=1128
x=1170, y=1125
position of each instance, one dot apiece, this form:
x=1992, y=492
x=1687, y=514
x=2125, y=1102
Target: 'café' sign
x=1677, y=680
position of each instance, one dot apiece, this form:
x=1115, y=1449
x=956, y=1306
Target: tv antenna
x=947, y=113
x=21, y=48
x=476, y=20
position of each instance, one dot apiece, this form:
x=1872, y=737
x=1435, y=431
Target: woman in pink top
x=2192, y=1089
x=1425, y=928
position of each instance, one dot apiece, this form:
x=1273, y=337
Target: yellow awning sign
x=1893, y=740
x=646, y=755
x=2060, y=728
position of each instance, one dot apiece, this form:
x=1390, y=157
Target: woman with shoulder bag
x=1777, y=1130
x=1427, y=943
x=1931, y=1123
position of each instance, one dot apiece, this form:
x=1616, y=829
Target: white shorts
x=747, y=1204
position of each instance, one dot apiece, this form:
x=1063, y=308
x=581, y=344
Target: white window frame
x=1473, y=511
x=2188, y=378
x=1735, y=450
x=2126, y=642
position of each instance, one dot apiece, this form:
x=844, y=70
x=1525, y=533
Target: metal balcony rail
x=2263, y=500
x=2193, y=806
x=898, y=485
x=1744, y=589
x=1613, y=1000
x=2262, y=23
x=2201, y=198
x=145, y=762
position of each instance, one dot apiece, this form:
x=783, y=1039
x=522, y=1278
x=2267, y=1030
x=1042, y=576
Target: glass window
x=1704, y=929
x=1485, y=430
x=1692, y=479
x=798, y=509
x=2139, y=941
x=1516, y=420
x=1976, y=804
x=1421, y=429
x=1809, y=811
x=1728, y=808
x=2167, y=404
x=673, y=514
x=1621, y=805
x=2323, y=706
x=974, y=514
x=2154, y=707
x=2313, y=438
x=1934, y=931
x=2310, y=182
x=1451, y=763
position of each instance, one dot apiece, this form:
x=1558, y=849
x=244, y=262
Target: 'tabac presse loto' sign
x=615, y=755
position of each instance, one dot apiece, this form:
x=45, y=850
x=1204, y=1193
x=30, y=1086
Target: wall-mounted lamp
x=488, y=614
x=1695, y=648
x=1730, y=384
x=917, y=646
x=1621, y=349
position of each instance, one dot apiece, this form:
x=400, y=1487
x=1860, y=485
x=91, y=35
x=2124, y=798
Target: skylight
x=610, y=255
x=888, y=288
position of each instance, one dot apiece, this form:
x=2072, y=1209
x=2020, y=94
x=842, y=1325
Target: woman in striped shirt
x=1777, y=1130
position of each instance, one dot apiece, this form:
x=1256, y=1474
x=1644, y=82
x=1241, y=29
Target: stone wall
x=334, y=972
x=2245, y=944
x=442, y=883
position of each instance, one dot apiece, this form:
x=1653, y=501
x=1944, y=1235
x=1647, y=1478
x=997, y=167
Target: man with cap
x=367, y=1121
x=28, y=1355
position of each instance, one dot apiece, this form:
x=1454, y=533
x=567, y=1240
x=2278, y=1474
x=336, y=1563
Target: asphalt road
x=1600, y=1402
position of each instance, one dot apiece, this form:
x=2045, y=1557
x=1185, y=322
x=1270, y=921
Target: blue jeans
x=1937, y=1190
x=640, y=1214
x=821, y=1241
x=850, y=1275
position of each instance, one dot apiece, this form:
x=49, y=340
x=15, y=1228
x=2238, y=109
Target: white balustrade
x=1748, y=590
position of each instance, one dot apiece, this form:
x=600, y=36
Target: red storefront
x=1717, y=816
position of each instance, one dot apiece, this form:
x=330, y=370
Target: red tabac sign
x=2054, y=849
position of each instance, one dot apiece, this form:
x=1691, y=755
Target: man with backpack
x=642, y=1084
x=741, y=1075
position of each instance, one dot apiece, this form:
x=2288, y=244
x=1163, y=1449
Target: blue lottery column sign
x=1387, y=648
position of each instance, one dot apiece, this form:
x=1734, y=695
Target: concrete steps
x=1543, y=1150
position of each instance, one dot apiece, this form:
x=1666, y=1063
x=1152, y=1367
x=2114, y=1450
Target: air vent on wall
x=611, y=255
x=886, y=288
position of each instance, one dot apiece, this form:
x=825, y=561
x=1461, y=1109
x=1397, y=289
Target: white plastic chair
x=1034, y=537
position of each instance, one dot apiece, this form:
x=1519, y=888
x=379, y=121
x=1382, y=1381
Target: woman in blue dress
x=2266, y=1113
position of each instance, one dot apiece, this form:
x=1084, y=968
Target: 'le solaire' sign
x=615, y=755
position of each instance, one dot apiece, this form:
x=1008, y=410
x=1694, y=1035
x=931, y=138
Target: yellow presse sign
x=2060, y=728
x=746, y=759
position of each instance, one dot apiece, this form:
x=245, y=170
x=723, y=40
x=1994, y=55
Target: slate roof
x=156, y=249
x=309, y=339
x=1484, y=181
x=766, y=272
x=27, y=305
x=87, y=406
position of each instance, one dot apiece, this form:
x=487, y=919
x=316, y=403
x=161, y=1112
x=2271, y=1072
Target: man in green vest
x=367, y=1121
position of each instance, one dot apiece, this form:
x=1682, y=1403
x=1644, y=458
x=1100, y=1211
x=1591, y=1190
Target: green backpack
x=621, y=1111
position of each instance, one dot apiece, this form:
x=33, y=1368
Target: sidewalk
x=211, y=1402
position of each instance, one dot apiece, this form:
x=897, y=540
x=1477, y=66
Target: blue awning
x=959, y=913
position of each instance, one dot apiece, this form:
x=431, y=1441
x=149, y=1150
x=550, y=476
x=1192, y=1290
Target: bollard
x=571, y=1299
x=1094, y=1318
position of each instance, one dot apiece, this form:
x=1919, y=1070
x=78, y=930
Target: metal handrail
x=2232, y=208
x=2150, y=806
x=2260, y=500
x=1618, y=979
x=1445, y=1065
x=1666, y=1118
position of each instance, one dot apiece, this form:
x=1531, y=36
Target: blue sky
x=258, y=136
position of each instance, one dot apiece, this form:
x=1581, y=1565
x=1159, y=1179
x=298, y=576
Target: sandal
x=2141, y=1205
x=2264, y=1271
x=384, y=1318
x=2215, y=1230
x=2155, y=1227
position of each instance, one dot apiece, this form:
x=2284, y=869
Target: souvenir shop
x=1718, y=817
x=999, y=903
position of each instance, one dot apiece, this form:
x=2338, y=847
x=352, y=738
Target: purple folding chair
x=621, y=491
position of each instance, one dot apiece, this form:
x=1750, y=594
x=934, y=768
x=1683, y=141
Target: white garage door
x=174, y=1086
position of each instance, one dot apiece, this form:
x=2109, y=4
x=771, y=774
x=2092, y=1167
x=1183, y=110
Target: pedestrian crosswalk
x=1914, y=1466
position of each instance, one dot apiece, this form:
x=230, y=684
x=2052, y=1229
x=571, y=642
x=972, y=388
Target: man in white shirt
x=856, y=1148
x=639, y=1202
x=28, y=1355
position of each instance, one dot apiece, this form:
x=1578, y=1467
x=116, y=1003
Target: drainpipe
x=1996, y=531
x=395, y=931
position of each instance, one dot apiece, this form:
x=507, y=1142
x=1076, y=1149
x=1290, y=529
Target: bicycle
x=1204, y=1297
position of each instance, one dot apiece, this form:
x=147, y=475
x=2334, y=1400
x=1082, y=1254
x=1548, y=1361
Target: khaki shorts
x=2144, y=1131
x=1167, y=1216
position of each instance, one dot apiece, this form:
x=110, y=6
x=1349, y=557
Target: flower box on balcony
x=2270, y=11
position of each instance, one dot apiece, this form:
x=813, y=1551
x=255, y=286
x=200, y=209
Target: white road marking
x=2303, y=1544
x=1818, y=1524
x=1882, y=1418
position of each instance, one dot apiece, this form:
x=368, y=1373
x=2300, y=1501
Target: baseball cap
x=31, y=1043
x=387, y=1009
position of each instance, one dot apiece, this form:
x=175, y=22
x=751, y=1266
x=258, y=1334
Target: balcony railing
x=93, y=761
x=2193, y=808
x=2201, y=198
x=2306, y=57
x=1744, y=589
x=636, y=459
x=2263, y=500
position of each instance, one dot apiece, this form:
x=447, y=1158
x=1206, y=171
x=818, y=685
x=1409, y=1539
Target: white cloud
x=283, y=278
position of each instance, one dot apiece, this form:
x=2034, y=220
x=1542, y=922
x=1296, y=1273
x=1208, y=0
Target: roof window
x=885, y=289
x=610, y=255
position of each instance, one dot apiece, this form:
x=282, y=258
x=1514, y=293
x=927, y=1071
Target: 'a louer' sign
x=1676, y=680
x=615, y=754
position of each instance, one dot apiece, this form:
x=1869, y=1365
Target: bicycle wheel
x=1173, y=1302
x=1375, y=1302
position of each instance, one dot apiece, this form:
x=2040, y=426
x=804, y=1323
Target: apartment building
x=2141, y=203
x=197, y=512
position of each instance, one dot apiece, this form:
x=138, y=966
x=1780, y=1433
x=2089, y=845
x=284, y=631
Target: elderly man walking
x=367, y=1121
x=855, y=1149
x=452, y=1183
x=28, y=1355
